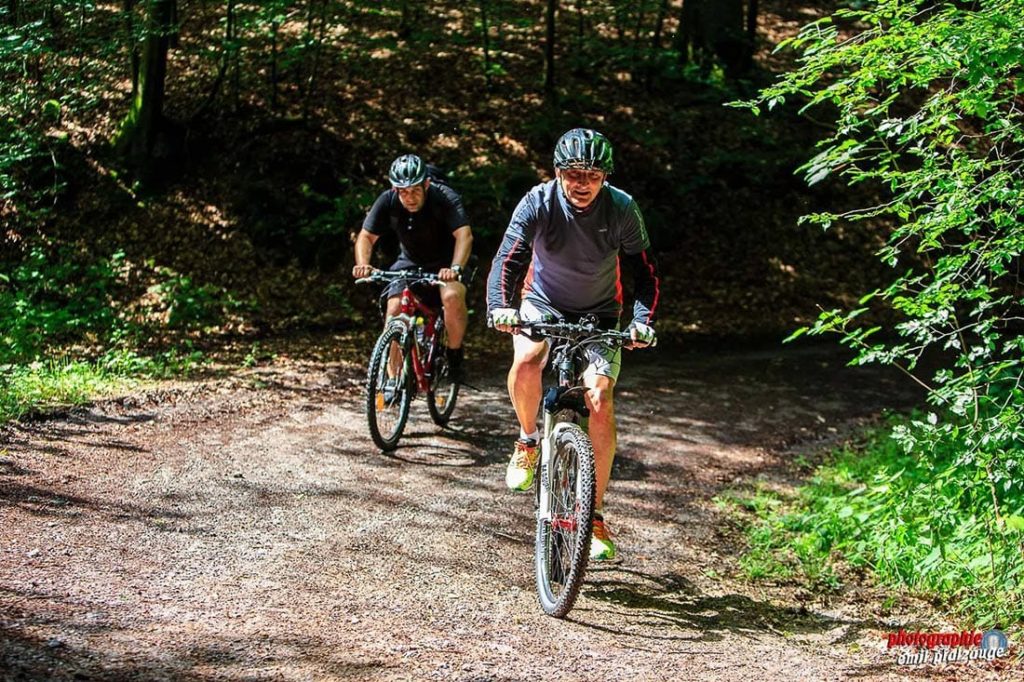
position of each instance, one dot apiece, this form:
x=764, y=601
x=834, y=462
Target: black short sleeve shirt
x=425, y=236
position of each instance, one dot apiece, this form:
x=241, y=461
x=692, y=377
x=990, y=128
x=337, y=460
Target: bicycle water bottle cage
x=559, y=398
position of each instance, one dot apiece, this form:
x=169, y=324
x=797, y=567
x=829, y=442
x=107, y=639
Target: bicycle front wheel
x=444, y=391
x=563, y=540
x=388, y=387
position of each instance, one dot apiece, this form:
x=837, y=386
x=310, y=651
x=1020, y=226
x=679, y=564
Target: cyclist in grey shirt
x=561, y=258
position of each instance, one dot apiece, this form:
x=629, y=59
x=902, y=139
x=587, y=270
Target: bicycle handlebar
x=415, y=276
x=577, y=333
x=583, y=332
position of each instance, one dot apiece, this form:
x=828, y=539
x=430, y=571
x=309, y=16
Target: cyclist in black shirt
x=434, y=234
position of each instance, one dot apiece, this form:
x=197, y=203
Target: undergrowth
x=877, y=509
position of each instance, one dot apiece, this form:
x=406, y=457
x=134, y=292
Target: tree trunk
x=226, y=49
x=274, y=30
x=133, y=48
x=653, y=61
x=235, y=66
x=620, y=11
x=405, y=23
x=313, y=82
x=659, y=26
x=308, y=43
x=485, y=31
x=499, y=37
x=549, y=49
x=715, y=29
x=579, y=23
x=136, y=137
x=683, y=39
x=641, y=15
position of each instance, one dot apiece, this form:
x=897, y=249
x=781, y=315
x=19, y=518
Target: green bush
x=54, y=301
x=48, y=301
x=64, y=381
x=926, y=98
x=908, y=521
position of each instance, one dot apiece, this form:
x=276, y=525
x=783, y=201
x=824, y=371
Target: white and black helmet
x=584, y=148
x=407, y=170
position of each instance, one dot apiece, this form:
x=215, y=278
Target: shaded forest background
x=181, y=177
x=226, y=201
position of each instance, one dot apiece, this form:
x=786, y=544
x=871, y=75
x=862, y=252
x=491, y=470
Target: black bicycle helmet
x=584, y=148
x=407, y=170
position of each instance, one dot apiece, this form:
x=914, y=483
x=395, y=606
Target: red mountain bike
x=408, y=358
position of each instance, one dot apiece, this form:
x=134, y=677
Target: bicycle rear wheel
x=388, y=398
x=443, y=390
x=563, y=542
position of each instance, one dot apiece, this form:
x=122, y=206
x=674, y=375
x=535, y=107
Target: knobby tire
x=387, y=419
x=560, y=554
x=443, y=391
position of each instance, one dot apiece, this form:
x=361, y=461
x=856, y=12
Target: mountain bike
x=566, y=486
x=408, y=358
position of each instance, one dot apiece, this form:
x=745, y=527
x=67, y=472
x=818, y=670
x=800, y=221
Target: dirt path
x=245, y=529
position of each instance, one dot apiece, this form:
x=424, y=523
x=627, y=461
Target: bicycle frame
x=411, y=307
x=568, y=395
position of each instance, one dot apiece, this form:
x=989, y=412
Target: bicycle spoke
x=563, y=536
x=564, y=522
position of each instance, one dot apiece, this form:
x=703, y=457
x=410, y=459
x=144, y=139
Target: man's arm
x=364, y=248
x=460, y=255
x=373, y=226
x=646, y=285
x=636, y=246
x=508, y=269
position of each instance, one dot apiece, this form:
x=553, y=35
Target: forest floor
x=242, y=526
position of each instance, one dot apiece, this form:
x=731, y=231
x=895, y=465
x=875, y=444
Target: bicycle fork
x=557, y=399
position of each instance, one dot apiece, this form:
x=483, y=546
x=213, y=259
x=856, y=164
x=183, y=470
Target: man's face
x=581, y=187
x=412, y=198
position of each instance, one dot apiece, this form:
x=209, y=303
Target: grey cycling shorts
x=601, y=360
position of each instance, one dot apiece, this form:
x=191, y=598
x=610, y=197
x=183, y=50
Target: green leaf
x=1015, y=522
x=796, y=334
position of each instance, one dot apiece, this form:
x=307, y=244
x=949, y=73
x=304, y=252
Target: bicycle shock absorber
x=565, y=370
x=558, y=398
